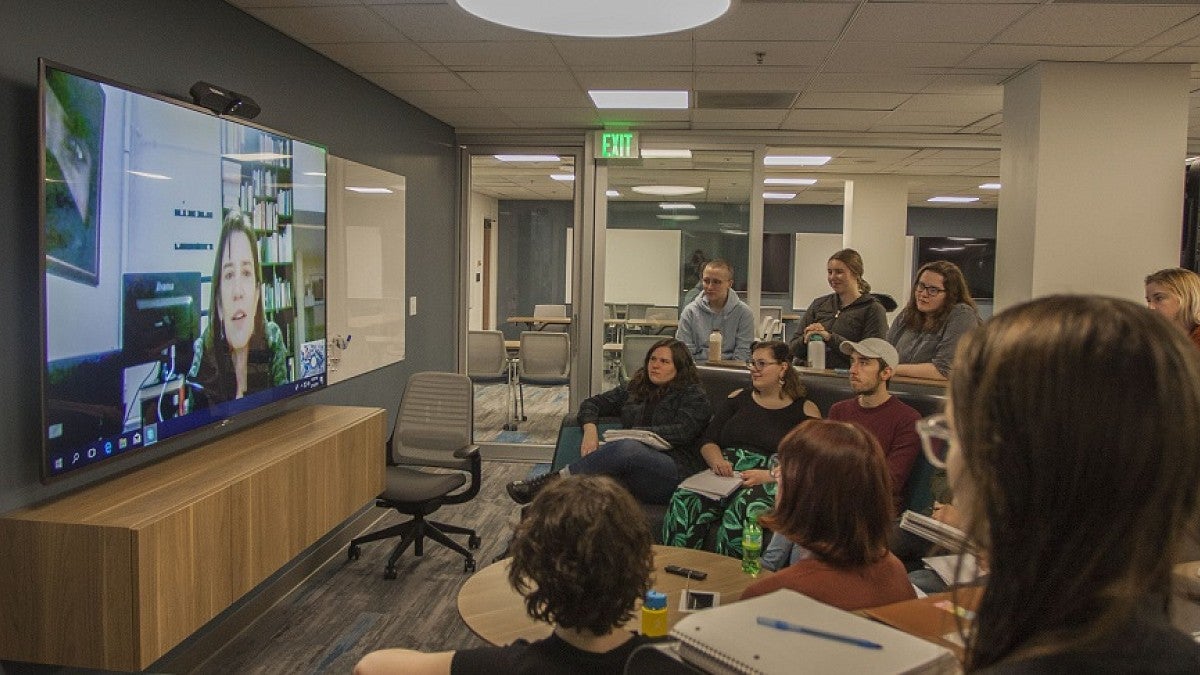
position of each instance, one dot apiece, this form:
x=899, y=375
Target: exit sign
x=616, y=144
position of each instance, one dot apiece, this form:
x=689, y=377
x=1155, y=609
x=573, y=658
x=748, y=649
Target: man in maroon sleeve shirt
x=893, y=422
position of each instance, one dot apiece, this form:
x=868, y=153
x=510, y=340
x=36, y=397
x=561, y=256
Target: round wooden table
x=496, y=613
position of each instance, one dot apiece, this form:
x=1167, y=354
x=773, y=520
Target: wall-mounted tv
x=174, y=245
x=976, y=258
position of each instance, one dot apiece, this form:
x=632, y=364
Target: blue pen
x=780, y=624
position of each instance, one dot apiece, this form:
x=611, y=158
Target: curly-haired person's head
x=582, y=554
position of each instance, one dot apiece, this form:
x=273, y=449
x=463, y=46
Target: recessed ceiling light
x=154, y=176
x=953, y=200
x=667, y=190
x=612, y=193
x=989, y=186
x=369, y=190
x=676, y=205
x=796, y=160
x=779, y=195
x=562, y=176
x=587, y=18
x=639, y=99
x=666, y=153
x=676, y=216
x=790, y=181
x=527, y=158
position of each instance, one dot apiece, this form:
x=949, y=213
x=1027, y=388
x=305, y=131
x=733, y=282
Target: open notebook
x=730, y=639
x=642, y=435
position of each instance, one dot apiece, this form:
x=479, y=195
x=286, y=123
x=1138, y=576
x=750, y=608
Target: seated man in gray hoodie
x=717, y=308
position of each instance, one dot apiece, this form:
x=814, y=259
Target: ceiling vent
x=744, y=100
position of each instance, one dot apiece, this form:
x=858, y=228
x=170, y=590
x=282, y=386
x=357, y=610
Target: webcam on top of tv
x=223, y=101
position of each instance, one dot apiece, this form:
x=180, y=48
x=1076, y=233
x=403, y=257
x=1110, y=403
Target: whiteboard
x=642, y=266
x=809, y=280
x=365, y=302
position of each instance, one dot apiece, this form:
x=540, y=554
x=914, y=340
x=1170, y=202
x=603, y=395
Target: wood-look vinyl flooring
x=347, y=609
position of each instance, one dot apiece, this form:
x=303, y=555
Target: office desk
x=496, y=613
x=658, y=326
x=540, y=322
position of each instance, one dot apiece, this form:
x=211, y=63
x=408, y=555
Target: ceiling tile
x=910, y=82
x=778, y=21
x=442, y=80
x=621, y=53
x=527, y=98
x=553, y=80
x=737, y=119
x=976, y=84
x=1177, y=55
x=728, y=53
x=1137, y=54
x=427, y=100
x=751, y=79
x=315, y=25
x=851, y=100
x=530, y=54
x=1181, y=34
x=956, y=103
x=884, y=57
x=447, y=23
x=472, y=117
x=947, y=118
x=615, y=117
x=377, y=56
x=609, y=79
x=1094, y=24
x=922, y=22
x=1019, y=56
x=833, y=120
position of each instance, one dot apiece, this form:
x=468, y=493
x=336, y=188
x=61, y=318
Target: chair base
x=414, y=532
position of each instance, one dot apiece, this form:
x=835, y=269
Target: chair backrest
x=636, y=310
x=662, y=313
x=545, y=355
x=486, y=356
x=549, y=310
x=435, y=415
x=772, y=311
x=633, y=352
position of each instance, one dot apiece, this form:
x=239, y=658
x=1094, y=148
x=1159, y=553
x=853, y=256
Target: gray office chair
x=662, y=313
x=633, y=353
x=487, y=363
x=551, y=311
x=775, y=329
x=545, y=360
x=433, y=429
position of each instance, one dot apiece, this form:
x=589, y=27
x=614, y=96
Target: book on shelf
x=787, y=632
x=708, y=484
x=935, y=531
x=641, y=435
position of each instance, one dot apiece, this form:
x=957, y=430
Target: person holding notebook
x=1071, y=443
x=834, y=499
x=581, y=557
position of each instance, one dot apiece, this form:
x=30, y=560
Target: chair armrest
x=467, y=452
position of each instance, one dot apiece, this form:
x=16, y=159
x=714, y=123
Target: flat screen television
x=976, y=257
x=174, y=243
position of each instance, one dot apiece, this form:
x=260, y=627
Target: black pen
x=780, y=624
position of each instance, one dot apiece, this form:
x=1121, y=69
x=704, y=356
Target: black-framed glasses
x=937, y=438
x=759, y=364
x=932, y=291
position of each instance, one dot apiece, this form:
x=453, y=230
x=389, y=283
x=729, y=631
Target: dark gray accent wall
x=164, y=46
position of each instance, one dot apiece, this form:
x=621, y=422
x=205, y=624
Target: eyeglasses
x=932, y=291
x=937, y=438
x=759, y=364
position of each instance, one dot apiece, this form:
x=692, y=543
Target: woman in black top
x=742, y=438
x=664, y=396
x=849, y=313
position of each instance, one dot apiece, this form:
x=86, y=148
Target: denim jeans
x=649, y=474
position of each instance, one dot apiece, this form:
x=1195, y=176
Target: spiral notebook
x=730, y=639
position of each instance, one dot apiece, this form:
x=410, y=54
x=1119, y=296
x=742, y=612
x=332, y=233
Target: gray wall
x=164, y=46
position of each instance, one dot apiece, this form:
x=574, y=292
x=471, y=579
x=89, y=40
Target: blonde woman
x=1175, y=293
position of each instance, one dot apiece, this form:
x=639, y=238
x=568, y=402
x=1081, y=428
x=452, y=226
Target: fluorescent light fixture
x=729, y=230
x=640, y=99
x=612, y=193
x=667, y=190
x=953, y=200
x=779, y=195
x=255, y=156
x=528, y=158
x=676, y=205
x=790, y=181
x=1189, y=160
x=587, y=18
x=796, y=160
x=989, y=186
x=315, y=173
x=146, y=174
x=369, y=190
x=676, y=216
x=945, y=249
x=666, y=153
x=961, y=238
x=562, y=176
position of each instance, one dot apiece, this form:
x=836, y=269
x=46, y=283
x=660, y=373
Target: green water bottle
x=752, y=545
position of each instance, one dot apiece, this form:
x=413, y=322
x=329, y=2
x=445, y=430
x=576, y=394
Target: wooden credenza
x=117, y=574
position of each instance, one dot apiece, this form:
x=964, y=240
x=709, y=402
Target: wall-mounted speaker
x=223, y=101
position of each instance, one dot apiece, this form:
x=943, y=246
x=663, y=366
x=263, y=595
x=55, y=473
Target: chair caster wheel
x=469, y=566
x=389, y=573
x=354, y=553
x=473, y=542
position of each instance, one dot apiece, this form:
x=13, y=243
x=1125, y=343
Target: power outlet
x=412, y=306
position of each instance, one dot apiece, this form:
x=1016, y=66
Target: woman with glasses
x=834, y=500
x=741, y=439
x=938, y=313
x=1073, y=454
x=1175, y=293
x=850, y=312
